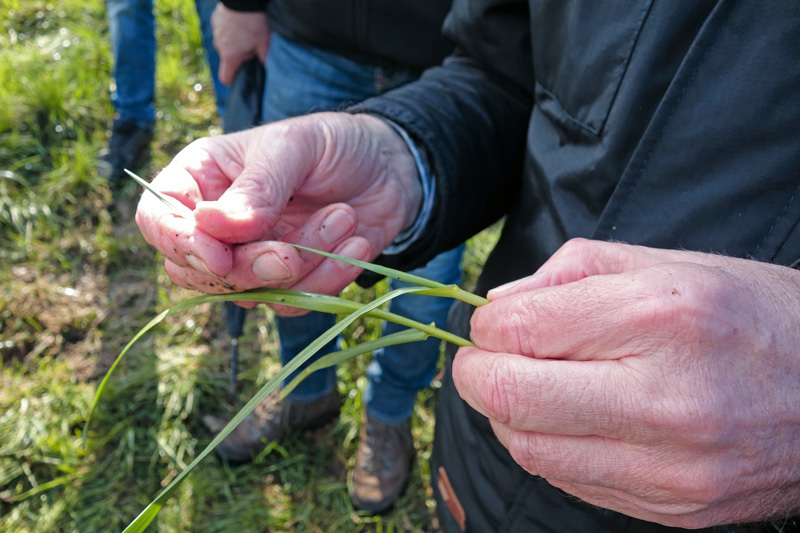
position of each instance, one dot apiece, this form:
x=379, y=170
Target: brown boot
x=383, y=460
x=271, y=420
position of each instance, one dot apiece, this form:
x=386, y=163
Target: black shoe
x=128, y=147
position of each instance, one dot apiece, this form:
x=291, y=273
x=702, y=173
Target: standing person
x=613, y=387
x=320, y=56
x=133, y=43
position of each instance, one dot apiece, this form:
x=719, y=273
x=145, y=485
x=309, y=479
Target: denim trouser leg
x=295, y=334
x=397, y=373
x=300, y=80
x=205, y=8
x=132, y=27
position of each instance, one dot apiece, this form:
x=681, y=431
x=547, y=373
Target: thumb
x=273, y=164
x=246, y=212
x=227, y=69
x=262, y=48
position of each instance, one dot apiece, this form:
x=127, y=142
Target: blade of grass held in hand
x=292, y=298
x=151, y=190
x=335, y=305
x=458, y=292
x=149, y=513
x=330, y=304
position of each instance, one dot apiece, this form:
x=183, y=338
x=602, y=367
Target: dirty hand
x=660, y=384
x=341, y=183
x=238, y=36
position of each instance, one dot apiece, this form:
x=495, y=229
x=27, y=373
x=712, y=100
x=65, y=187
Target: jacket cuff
x=245, y=5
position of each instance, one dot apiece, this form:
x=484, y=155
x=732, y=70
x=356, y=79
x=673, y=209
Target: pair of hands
x=661, y=384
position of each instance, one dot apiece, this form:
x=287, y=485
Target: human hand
x=238, y=36
x=660, y=384
x=332, y=181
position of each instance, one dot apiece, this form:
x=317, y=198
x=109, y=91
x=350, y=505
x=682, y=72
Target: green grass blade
x=333, y=304
x=378, y=269
x=335, y=358
x=141, y=522
x=399, y=275
x=151, y=190
x=292, y=298
x=100, y=388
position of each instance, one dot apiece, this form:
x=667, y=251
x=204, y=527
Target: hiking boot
x=383, y=460
x=271, y=420
x=128, y=148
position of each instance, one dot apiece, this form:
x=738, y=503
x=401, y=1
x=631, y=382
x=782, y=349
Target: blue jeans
x=300, y=80
x=133, y=44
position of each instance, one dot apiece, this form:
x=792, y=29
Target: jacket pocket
x=580, y=53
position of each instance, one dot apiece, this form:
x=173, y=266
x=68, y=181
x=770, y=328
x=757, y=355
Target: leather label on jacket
x=451, y=500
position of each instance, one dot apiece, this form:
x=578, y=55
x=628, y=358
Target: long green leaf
x=458, y=292
x=292, y=298
x=151, y=190
x=149, y=513
x=100, y=388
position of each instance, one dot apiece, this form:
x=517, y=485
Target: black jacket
x=665, y=124
x=399, y=33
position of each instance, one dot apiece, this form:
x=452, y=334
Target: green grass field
x=77, y=281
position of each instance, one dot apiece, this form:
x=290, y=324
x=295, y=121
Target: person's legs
x=300, y=80
x=205, y=8
x=133, y=43
x=131, y=24
x=396, y=374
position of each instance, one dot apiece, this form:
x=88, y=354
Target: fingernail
x=269, y=267
x=335, y=226
x=198, y=264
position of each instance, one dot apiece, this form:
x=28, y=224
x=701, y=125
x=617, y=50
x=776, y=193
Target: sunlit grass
x=76, y=283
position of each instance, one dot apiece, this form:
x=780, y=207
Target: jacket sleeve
x=245, y=5
x=469, y=116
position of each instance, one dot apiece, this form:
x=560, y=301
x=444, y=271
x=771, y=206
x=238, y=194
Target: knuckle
x=514, y=327
x=499, y=392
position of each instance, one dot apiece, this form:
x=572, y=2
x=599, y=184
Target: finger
x=275, y=160
x=332, y=275
x=609, y=472
x=630, y=505
x=191, y=278
x=581, y=258
x=179, y=240
x=202, y=171
x=275, y=263
x=551, y=396
x=587, y=459
x=644, y=483
x=600, y=317
x=262, y=48
x=227, y=69
x=279, y=264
